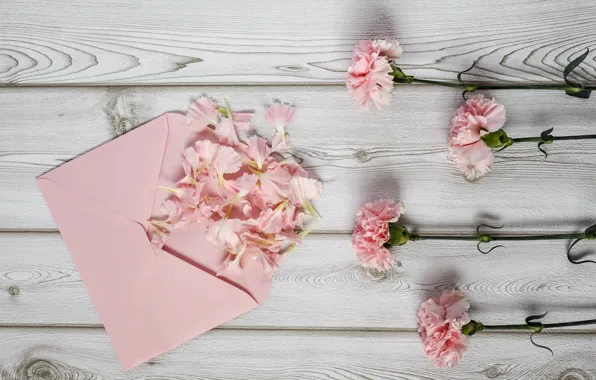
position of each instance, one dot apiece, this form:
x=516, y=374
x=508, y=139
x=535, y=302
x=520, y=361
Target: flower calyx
x=399, y=235
x=399, y=76
x=472, y=328
x=497, y=139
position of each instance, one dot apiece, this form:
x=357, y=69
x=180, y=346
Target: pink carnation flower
x=439, y=323
x=446, y=346
x=369, y=80
x=478, y=116
x=371, y=229
x=376, y=258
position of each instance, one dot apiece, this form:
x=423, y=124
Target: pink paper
x=149, y=301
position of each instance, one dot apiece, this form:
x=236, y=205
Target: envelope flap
x=122, y=174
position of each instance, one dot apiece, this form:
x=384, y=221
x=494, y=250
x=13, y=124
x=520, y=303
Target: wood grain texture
x=359, y=156
x=189, y=42
x=321, y=285
x=60, y=354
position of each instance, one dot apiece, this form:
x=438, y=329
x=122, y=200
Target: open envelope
x=149, y=300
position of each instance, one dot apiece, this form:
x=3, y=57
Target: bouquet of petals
x=374, y=70
x=253, y=203
x=377, y=229
x=444, y=326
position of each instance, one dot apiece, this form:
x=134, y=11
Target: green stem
x=555, y=138
x=489, y=238
x=474, y=327
x=478, y=86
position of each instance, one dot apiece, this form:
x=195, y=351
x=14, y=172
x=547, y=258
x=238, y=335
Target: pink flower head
x=440, y=321
x=258, y=151
x=478, y=116
x=389, y=48
x=446, y=346
x=202, y=113
x=371, y=229
x=280, y=115
x=377, y=258
x=369, y=80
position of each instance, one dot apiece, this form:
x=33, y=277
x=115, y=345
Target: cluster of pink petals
x=369, y=80
x=439, y=323
x=252, y=204
x=478, y=116
x=371, y=232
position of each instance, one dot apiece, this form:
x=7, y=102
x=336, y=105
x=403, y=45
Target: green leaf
x=576, y=90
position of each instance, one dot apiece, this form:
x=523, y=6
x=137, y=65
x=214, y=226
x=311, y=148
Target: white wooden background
x=75, y=74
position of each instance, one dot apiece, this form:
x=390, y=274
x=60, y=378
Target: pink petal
x=225, y=131
x=280, y=144
x=280, y=115
x=303, y=190
x=245, y=184
x=275, y=184
x=201, y=113
x=258, y=150
x=242, y=120
x=226, y=161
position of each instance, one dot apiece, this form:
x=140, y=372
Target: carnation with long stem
x=377, y=229
x=444, y=327
x=477, y=130
x=374, y=71
x=399, y=235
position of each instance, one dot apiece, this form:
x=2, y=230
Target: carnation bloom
x=439, y=323
x=371, y=232
x=376, y=258
x=369, y=78
x=477, y=117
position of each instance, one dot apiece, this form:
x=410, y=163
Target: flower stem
x=479, y=86
x=555, y=138
x=544, y=325
x=489, y=238
x=474, y=327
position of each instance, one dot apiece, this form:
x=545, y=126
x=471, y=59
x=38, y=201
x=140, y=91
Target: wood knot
x=362, y=156
x=14, y=290
x=40, y=369
x=292, y=69
x=493, y=372
x=574, y=374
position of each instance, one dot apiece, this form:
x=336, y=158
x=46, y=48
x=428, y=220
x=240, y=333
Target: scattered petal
x=202, y=113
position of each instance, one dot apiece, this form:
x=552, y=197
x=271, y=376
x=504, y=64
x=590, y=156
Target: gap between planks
x=556, y=331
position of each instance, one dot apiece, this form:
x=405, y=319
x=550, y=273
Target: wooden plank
x=398, y=153
x=62, y=354
x=322, y=286
x=80, y=42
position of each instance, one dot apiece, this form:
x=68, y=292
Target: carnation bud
x=398, y=234
x=497, y=139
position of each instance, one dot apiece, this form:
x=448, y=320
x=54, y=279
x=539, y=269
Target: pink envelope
x=149, y=300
